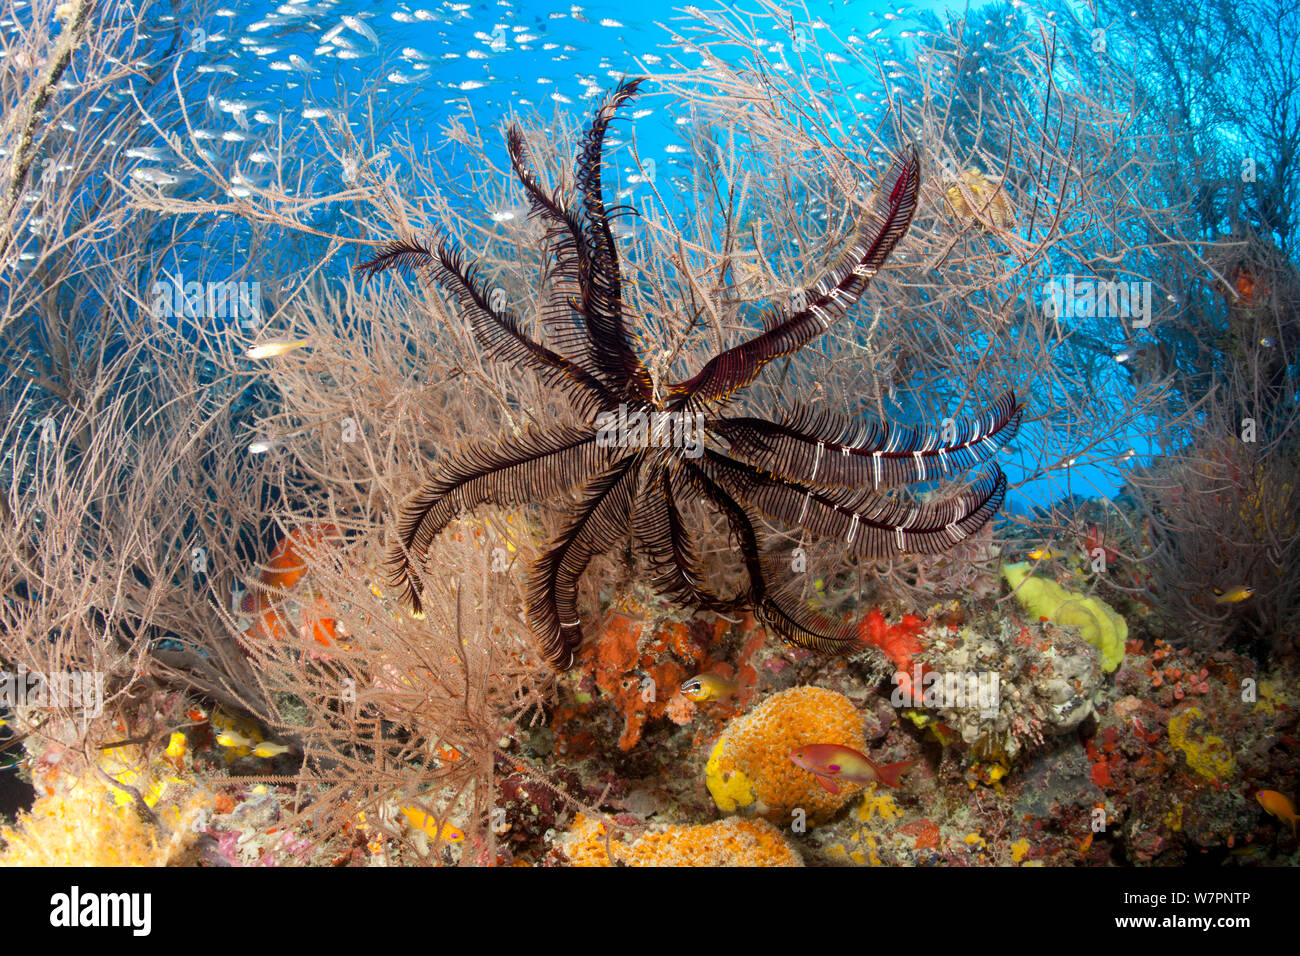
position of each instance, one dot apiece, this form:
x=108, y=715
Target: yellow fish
x=273, y=349
x=709, y=686
x=1042, y=554
x=1233, y=595
x=269, y=748
x=1279, y=806
x=426, y=824
x=233, y=738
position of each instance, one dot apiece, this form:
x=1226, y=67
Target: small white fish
x=300, y=64
x=315, y=112
x=235, y=136
x=273, y=349
x=154, y=154
x=238, y=106
x=158, y=177
x=360, y=26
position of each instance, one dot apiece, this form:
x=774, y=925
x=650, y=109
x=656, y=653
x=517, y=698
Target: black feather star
x=641, y=459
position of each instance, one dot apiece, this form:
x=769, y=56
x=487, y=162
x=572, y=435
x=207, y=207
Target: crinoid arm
x=787, y=332
x=871, y=525
x=584, y=315
x=668, y=544
x=569, y=264
x=533, y=466
x=599, y=521
x=601, y=302
x=821, y=449
x=498, y=330
x=780, y=614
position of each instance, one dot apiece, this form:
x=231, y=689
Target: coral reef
x=1047, y=683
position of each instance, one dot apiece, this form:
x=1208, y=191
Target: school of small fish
x=262, y=77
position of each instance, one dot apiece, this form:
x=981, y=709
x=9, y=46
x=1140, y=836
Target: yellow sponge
x=1096, y=620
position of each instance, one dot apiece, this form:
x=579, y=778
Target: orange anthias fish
x=831, y=763
x=1279, y=806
